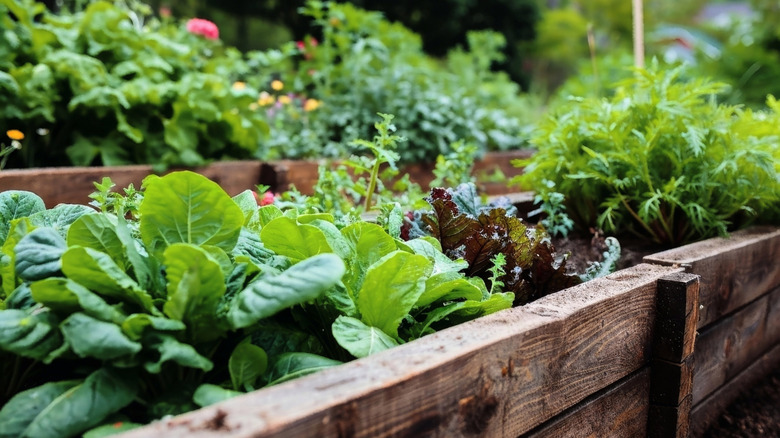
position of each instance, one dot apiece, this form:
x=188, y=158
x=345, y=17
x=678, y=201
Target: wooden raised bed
x=739, y=316
x=72, y=185
x=282, y=175
x=617, y=356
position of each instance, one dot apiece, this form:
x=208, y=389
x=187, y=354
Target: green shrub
x=366, y=64
x=106, y=87
x=660, y=159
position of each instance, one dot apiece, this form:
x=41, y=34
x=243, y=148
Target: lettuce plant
x=660, y=159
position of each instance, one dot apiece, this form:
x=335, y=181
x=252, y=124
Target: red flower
x=199, y=26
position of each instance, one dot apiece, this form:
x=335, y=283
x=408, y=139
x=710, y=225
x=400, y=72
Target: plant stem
x=641, y=222
x=372, y=184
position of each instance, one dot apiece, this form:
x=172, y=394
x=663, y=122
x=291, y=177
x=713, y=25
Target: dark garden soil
x=584, y=250
x=754, y=414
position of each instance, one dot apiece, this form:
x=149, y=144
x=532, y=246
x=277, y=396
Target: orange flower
x=284, y=100
x=238, y=85
x=15, y=134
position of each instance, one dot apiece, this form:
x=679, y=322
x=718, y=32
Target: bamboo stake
x=639, y=35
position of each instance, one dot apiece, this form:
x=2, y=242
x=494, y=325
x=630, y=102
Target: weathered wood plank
x=501, y=375
x=678, y=314
x=669, y=421
x=72, y=185
x=620, y=410
x=729, y=346
x=706, y=412
x=734, y=270
x=671, y=382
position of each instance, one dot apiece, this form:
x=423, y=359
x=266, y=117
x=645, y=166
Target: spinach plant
x=120, y=322
x=660, y=159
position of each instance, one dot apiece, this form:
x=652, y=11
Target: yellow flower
x=238, y=85
x=311, y=104
x=15, y=134
x=265, y=99
x=284, y=100
x=277, y=85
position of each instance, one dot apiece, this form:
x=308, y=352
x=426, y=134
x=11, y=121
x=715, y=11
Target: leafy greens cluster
x=660, y=159
x=180, y=296
x=477, y=233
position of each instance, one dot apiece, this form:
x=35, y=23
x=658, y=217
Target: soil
x=585, y=250
x=756, y=413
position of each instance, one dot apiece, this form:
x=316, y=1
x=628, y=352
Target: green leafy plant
x=551, y=205
x=660, y=159
x=136, y=319
x=455, y=168
x=112, y=85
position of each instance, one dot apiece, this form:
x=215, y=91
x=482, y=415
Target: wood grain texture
x=734, y=271
x=620, y=410
x=671, y=382
x=501, y=375
x=708, y=410
x=670, y=421
x=677, y=317
x=72, y=185
x=729, y=346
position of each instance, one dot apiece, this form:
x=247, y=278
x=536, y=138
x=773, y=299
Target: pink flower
x=267, y=199
x=199, y=26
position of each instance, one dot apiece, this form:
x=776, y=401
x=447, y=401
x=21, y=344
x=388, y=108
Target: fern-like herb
x=660, y=159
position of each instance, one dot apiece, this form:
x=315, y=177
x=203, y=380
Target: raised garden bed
x=616, y=356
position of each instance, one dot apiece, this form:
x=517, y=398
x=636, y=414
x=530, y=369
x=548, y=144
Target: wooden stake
x=639, y=35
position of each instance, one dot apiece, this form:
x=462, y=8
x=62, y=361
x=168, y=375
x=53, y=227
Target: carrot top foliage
x=660, y=159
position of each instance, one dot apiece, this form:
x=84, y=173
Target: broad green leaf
x=184, y=207
x=33, y=335
x=21, y=298
x=333, y=236
x=113, y=428
x=98, y=272
x=90, y=337
x=247, y=202
x=448, y=286
x=391, y=288
x=141, y=264
x=246, y=364
x=369, y=243
x=195, y=286
x=270, y=294
x=22, y=409
x=96, y=231
x=286, y=237
x=359, y=339
x=293, y=365
x=462, y=311
x=19, y=229
x=38, y=254
x=250, y=245
x=268, y=213
x=276, y=338
x=103, y=392
x=66, y=296
x=15, y=204
x=135, y=325
x=60, y=217
x=208, y=394
x=441, y=263
x=311, y=217
x=170, y=349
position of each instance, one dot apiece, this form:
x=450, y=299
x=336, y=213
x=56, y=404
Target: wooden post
x=671, y=382
x=639, y=34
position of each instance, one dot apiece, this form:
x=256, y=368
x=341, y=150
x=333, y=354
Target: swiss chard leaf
x=65, y=296
x=359, y=339
x=169, y=349
x=60, y=217
x=287, y=237
x=184, y=207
